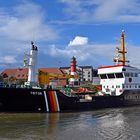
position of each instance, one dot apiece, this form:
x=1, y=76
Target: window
x=111, y=75
x=136, y=75
x=119, y=75
x=126, y=74
x=123, y=69
x=103, y=76
x=118, y=86
x=132, y=75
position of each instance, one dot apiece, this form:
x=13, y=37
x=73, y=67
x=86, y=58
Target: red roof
x=22, y=73
x=19, y=73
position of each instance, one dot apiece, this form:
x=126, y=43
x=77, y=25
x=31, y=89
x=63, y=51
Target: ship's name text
x=36, y=93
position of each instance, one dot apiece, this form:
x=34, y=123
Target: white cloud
x=18, y=26
x=102, y=11
x=94, y=54
x=88, y=53
x=78, y=40
x=8, y=60
x=26, y=23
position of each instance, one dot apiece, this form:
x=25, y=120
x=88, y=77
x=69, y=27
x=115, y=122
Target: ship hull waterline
x=48, y=100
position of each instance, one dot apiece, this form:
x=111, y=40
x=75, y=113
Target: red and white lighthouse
x=73, y=80
x=73, y=66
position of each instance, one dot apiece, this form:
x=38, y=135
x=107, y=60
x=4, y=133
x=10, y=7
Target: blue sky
x=87, y=29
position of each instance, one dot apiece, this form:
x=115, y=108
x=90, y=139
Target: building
x=86, y=73
x=17, y=75
x=20, y=75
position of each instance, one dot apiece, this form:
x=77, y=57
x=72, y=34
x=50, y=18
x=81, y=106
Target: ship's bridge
x=114, y=79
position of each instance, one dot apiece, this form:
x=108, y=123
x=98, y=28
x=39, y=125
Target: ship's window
x=103, y=76
x=118, y=86
x=111, y=75
x=126, y=74
x=119, y=75
x=131, y=74
x=123, y=69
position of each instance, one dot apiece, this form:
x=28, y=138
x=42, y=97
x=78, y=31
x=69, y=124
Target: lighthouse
x=73, y=80
x=32, y=66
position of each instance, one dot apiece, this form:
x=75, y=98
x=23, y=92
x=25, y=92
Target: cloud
x=8, y=59
x=85, y=52
x=102, y=11
x=19, y=25
x=93, y=54
x=78, y=40
x=27, y=22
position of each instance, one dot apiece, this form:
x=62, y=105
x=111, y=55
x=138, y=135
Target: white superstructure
x=115, y=79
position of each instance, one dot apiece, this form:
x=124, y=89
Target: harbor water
x=106, y=124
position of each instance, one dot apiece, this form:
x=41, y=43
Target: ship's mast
x=32, y=66
x=121, y=51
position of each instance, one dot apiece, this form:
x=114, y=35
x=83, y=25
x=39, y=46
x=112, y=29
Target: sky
x=87, y=29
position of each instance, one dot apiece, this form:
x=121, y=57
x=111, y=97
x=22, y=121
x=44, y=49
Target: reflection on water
x=107, y=124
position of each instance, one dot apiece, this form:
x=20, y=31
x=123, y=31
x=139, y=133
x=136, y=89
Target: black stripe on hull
x=14, y=99
x=38, y=100
x=74, y=104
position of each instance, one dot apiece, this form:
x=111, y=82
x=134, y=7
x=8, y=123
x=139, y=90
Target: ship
x=120, y=87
